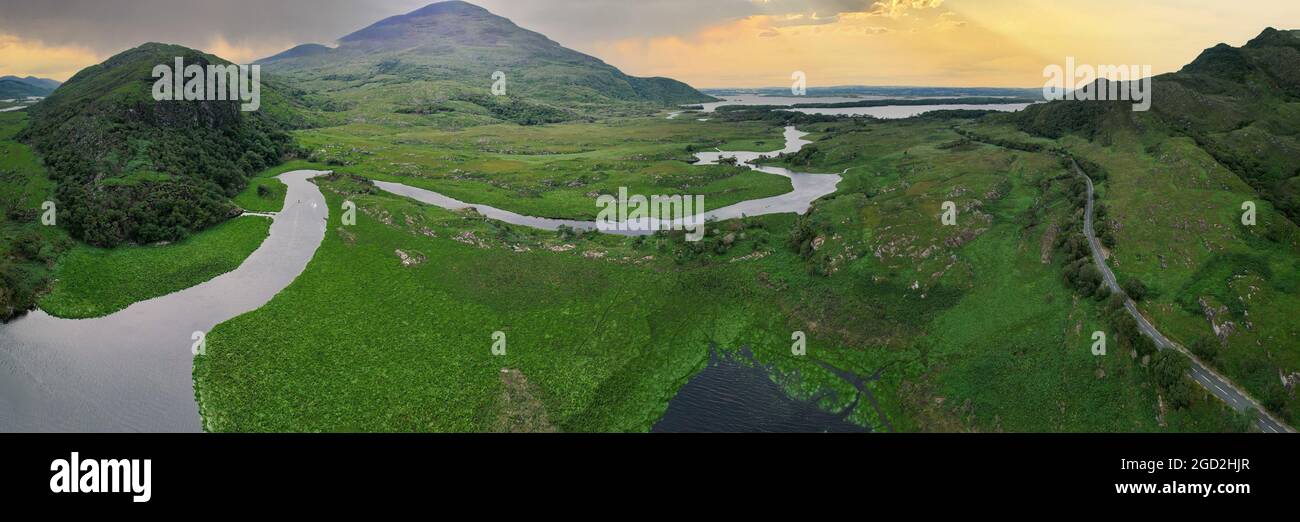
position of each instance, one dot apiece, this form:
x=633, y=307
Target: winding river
x=807, y=188
x=132, y=371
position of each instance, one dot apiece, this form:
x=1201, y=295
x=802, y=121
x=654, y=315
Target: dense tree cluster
x=508, y=108
x=1059, y=118
x=1169, y=368
x=132, y=169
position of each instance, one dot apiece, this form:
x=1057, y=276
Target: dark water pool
x=734, y=394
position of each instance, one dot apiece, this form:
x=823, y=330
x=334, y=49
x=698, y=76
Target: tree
x=1136, y=289
x=1169, y=368
x=1179, y=395
x=1089, y=279
x=1205, y=347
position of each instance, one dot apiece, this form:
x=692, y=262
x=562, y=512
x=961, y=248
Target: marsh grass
x=94, y=282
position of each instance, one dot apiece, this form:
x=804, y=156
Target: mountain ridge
x=458, y=46
x=1239, y=104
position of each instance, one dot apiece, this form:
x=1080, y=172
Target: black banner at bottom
x=161, y=472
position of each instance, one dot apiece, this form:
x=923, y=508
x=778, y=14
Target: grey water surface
x=131, y=371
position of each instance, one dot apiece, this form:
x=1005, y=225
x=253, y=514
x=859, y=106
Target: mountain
x=417, y=62
x=301, y=51
x=1240, y=104
x=16, y=87
x=132, y=169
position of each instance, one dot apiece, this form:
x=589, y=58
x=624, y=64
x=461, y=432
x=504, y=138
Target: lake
x=733, y=394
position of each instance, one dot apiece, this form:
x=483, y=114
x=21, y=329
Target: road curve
x=1216, y=384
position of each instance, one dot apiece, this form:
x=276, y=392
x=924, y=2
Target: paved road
x=1217, y=384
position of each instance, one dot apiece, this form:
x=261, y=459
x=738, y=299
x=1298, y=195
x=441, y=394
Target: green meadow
x=554, y=170
x=1176, y=216
x=969, y=327
x=93, y=282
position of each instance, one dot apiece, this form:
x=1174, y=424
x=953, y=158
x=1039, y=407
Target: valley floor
x=969, y=327
x=392, y=326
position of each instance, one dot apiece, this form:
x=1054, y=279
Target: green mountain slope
x=1174, y=184
x=132, y=169
x=15, y=87
x=1241, y=105
x=441, y=58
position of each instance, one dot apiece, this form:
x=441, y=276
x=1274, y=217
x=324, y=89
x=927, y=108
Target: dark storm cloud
x=107, y=26
x=111, y=25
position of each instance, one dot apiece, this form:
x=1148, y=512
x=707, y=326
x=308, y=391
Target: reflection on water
x=734, y=394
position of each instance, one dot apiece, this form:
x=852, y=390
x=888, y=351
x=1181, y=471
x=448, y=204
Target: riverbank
x=807, y=188
x=131, y=371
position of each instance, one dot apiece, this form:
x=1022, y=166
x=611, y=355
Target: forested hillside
x=1241, y=105
x=132, y=169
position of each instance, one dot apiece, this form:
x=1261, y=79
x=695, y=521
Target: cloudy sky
x=708, y=43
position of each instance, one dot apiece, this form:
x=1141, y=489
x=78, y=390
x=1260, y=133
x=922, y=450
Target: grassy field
x=1177, y=218
x=554, y=170
x=949, y=326
x=1175, y=214
x=263, y=194
x=93, y=282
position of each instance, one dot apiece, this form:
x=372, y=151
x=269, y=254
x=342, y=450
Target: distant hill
x=1240, y=104
x=16, y=87
x=448, y=52
x=301, y=51
x=886, y=92
x=132, y=169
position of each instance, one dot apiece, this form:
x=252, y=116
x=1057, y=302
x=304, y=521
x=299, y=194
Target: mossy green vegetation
x=556, y=170
x=28, y=249
x=93, y=282
x=397, y=313
x=262, y=195
x=265, y=193
x=1176, y=218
